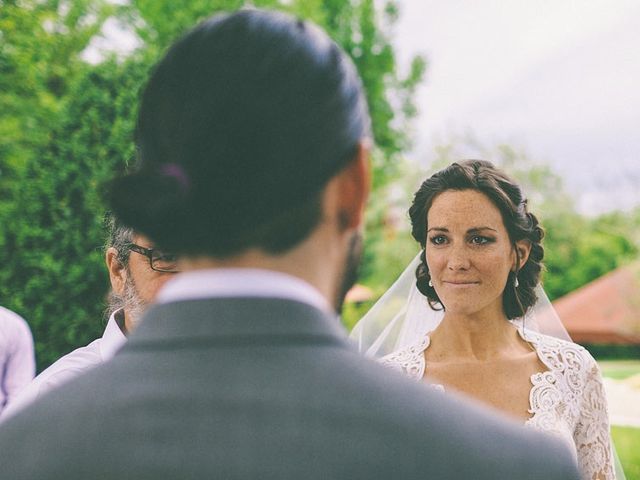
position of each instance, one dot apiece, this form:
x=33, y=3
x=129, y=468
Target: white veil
x=403, y=315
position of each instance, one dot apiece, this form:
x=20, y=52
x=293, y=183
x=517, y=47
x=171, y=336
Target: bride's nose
x=458, y=259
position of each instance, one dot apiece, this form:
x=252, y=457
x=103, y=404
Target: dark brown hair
x=241, y=126
x=506, y=195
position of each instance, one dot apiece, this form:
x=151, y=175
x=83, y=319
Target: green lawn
x=627, y=441
x=619, y=369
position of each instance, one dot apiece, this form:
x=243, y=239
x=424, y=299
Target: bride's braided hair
x=520, y=224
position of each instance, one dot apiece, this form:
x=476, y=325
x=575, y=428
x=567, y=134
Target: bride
x=473, y=321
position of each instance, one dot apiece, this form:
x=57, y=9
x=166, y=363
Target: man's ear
x=523, y=247
x=352, y=186
x=117, y=271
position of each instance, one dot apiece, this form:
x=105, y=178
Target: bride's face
x=468, y=251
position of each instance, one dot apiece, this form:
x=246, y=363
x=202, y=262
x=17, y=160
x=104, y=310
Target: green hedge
x=53, y=271
x=612, y=352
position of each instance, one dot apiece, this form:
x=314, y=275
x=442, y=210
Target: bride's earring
x=516, y=283
x=430, y=283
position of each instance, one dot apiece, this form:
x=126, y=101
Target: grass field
x=627, y=441
x=619, y=369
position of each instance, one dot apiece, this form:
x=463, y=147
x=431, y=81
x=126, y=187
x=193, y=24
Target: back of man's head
x=241, y=125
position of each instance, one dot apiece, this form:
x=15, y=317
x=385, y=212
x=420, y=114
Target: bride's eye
x=480, y=240
x=438, y=239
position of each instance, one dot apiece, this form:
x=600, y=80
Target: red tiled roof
x=606, y=310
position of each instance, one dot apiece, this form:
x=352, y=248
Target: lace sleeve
x=591, y=434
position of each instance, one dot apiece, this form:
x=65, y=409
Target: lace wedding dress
x=567, y=400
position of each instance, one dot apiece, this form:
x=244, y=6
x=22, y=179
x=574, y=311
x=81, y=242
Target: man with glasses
x=137, y=271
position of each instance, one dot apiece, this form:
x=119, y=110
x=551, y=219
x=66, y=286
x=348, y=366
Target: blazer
x=259, y=388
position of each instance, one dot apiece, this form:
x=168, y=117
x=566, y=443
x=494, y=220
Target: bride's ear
x=523, y=249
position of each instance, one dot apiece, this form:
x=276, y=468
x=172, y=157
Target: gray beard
x=133, y=305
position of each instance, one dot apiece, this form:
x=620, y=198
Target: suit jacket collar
x=237, y=320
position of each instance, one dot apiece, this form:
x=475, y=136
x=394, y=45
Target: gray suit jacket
x=260, y=389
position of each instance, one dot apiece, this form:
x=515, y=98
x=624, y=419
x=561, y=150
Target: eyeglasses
x=158, y=260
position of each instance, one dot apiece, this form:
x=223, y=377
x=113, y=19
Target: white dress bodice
x=567, y=400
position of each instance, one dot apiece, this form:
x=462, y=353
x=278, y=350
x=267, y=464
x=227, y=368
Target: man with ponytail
x=253, y=138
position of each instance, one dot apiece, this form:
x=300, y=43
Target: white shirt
x=72, y=364
x=17, y=359
x=240, y=282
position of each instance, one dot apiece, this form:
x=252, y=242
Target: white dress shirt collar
x=113, y=337
x=240, y=282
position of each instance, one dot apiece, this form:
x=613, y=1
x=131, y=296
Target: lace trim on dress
x=566, y=400
x=410, y=360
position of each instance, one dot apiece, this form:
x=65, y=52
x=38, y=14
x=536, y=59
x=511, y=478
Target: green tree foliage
x=66, y=128
x=579, y=250
x=53, y=270
x=40, y=42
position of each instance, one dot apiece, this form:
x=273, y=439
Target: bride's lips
x=460, y=283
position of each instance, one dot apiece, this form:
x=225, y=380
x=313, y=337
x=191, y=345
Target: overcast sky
x=559, y=78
